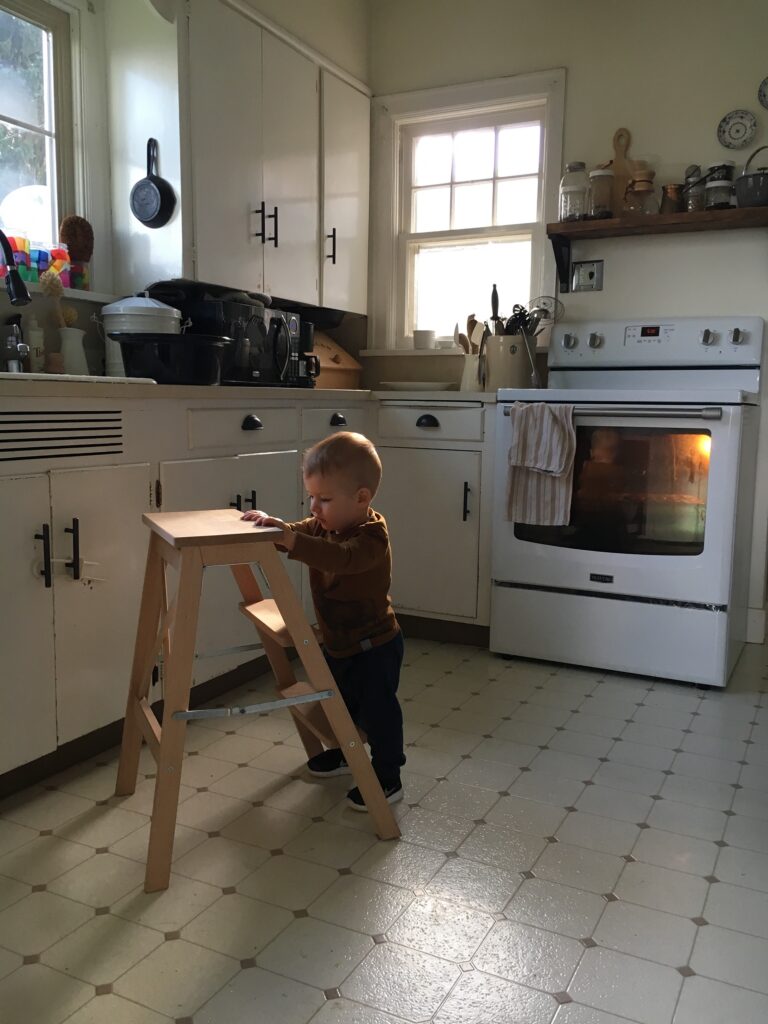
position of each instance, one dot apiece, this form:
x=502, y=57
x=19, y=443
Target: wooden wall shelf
x=561, y=235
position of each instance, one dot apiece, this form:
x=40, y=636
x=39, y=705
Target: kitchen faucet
x=17, y=290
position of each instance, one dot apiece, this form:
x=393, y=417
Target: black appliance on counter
x=272, y=347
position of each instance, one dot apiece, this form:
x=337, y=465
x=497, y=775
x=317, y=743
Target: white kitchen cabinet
x=225, y=74
x=96, y=615
x=192, y=484
x=346, y=129
x=291, y=152
x=431, y=500
x=28, y=691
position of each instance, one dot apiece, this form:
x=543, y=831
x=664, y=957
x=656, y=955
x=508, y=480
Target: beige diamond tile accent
x=43, y=859
x=36, y=922
x=100, y=881
x=178, y=978
x=288, y=882
x=38, y=994
x=170, y=910
x=102, y=949
x=316, y=953
x=237, y=926
x=221, y=861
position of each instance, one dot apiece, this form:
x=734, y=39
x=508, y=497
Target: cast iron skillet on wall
x=153, y=199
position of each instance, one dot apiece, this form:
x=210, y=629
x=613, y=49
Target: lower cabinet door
x=431, y=501
x=28, y=690
x=96, y=615
x=192, y=484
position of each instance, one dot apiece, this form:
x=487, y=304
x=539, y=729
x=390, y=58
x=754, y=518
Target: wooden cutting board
x=622, y=169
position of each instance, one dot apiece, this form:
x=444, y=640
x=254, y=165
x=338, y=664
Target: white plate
x=737, y=129
x=417, y=385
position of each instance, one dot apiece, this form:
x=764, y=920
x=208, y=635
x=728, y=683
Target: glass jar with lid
x=718, y=195
x=641, y=198
x=601, y=193
x=574, y=192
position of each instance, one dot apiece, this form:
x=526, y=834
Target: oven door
x=652, y=512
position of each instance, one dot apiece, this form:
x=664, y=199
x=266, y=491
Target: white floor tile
x=743, y=867
x=331, y=845
x=44, y=859
x=502, y=848
x=279, y=1000
x=170, y=910
x=748, y=833
x=548, y=789
x=529, y=956
x=102, y=949
x=437, y=831
x=37, y=993
x=399, y=863
x=741, y=910
x=117, y=1011
x=316, y=953
x=701, y=792
x=405, y=982
x=660, y=888
x=597, y=833
x=487, y=774
x=237, y=926
x=362, y=904
x=36, y=922
x=556, y=908
x=647, y=993
x=649, y=934
x=441, y=928
x=681, y=853
x=608, y=802
x=477, y=885
x=482, y=997
x=526, y=815
x=703, y=1001
x=688, y=820
x=713, y=769
x=630, y=777
x=731, y=957
x=580, y=868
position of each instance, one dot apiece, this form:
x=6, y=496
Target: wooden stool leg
x=278, y=659
x=335, y=709
x=143, y=659
x=177, y=686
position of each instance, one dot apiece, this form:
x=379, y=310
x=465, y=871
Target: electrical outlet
x=588, y=276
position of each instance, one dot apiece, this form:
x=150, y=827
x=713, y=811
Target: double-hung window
x=470, y=176
x=36, y=152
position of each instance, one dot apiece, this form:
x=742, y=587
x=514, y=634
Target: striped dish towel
x=543, y=445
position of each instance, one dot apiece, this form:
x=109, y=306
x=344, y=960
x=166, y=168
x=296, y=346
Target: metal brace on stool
x=254, y=709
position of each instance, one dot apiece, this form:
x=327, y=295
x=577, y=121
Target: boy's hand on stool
x=259, y=518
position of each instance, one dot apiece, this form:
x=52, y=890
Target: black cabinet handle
x=237, y=503
x=262, y=212
x=273, y=238
x=465, y=510
x=332, y=255
x=45, y=537
x=338, y=420
x=252, y=500
x=427, y=420
x=74, y=565
x=251, y=422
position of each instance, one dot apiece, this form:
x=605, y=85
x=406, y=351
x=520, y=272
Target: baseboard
x=96, y=742
x=755, y=625
x=444, y=632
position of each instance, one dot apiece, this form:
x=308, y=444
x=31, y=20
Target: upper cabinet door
x=291, y=125
x=225, y=73
x=346, y=168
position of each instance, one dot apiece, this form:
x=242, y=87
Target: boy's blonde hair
x=345, y=454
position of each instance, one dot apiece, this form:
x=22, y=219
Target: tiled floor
x=577, y=848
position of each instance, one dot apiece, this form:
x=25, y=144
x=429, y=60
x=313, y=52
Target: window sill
x=102, y=298
x=380, y=352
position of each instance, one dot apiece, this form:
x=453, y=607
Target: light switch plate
x=588, y=276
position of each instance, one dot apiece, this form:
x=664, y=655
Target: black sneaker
x=393, y=793
x=330, y=762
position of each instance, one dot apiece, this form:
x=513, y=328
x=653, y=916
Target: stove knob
x=595, y=340
x=570, y=341
x=736, y=336
x=706, y=337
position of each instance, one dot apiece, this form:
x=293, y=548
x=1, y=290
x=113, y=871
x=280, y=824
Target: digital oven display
x=650, y=332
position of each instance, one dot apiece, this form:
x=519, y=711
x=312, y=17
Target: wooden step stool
x=190, y=541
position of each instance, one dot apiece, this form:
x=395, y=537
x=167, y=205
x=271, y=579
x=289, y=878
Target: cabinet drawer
x=242, y=427
x=316, y=423
x=442, y=422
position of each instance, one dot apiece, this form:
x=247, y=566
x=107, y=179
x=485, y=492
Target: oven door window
x=636, y=490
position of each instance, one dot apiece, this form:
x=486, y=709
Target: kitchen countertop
x=56, y=386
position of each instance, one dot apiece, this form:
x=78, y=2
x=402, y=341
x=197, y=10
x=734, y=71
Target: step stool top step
x=210, y=526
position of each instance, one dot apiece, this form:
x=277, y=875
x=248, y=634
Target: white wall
x=338, y=29
x=666, y=71
x=143, y=91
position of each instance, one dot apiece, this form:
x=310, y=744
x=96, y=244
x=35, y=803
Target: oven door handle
x=685, y=412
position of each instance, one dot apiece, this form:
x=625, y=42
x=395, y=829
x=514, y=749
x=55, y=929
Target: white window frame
x=538, y=96
x=82, y=160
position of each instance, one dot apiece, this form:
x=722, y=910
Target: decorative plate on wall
x=762, y=93
x=737, y=129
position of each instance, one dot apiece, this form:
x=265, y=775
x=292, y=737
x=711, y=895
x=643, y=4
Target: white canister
x=423, y=339
x=72, y=351
x=137, y=314
x=508, y=363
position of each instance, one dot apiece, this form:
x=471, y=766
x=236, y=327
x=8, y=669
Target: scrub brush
x=64, y=316
x=77, y=235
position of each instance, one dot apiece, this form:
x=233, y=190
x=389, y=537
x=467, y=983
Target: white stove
x=650, y=576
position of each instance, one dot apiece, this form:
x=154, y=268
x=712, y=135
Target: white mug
x=423, y=339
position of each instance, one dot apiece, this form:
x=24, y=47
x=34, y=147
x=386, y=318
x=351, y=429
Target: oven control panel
x=649, y=334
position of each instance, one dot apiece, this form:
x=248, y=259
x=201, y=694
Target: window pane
x=473, y=155
x=25, y=71
x=473, y=205
x=519, y=150
x=27, y=189
x=432, y=156
x=432, y=209
x=516, y=201
x=640, y=491
x=452, y=281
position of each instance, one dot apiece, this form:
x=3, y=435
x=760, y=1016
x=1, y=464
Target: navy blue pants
x=368, y=683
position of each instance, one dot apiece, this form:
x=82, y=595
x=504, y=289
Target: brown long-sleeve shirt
x=350, y=575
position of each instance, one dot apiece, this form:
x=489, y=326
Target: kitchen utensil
x=173, y=359
x=464, y=342
x=152, y=198
x=482, y=362
x=476, y=337
x=622, y=170
x=751, y=187
x=551, y=307
x=737, y=129
x=77, y=235
x=494, y=305
x=456, y=333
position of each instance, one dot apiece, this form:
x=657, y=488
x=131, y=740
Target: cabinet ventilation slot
x=62, y=434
